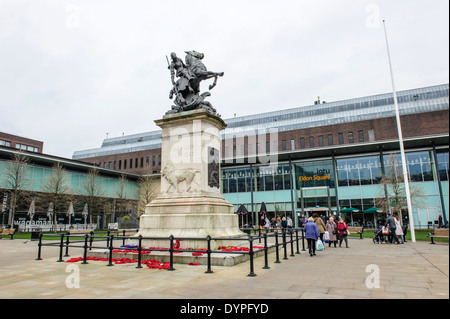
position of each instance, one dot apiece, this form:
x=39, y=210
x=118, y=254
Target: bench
x=438, y=233
x=8, y=232
x=356, y=230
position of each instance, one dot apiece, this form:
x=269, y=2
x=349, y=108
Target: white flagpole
x=402, y=148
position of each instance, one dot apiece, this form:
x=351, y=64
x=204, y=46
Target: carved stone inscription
x=213, y=168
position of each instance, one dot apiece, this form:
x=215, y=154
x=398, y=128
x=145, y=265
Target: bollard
x=123, y=238
x=39, y=247
x=296, y=239
x=67, y=246
x=208, y=252
x=284, y=246
x=292, y=244
x=111, y=245
x=277, y=249
x=85, y=249
x=91, y=240
x=139, y=252
x=303, y=239
x=61, y=246
x=252, y=270
x=171, y=238
x=266, y=259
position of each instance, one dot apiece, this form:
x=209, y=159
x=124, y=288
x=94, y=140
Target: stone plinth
x=190, y=203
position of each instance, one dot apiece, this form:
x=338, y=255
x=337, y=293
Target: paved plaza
x=417, y=270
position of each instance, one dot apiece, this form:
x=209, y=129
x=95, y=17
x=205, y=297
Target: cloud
x=72, y=71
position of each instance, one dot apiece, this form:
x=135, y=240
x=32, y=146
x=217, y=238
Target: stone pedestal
x=190, y=203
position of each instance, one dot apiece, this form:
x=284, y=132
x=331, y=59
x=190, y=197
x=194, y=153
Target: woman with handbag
x=332, y=231
x=312, y=234
x=343, y=232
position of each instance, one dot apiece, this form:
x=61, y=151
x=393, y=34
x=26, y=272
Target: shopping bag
x=326, y=236
x=385, y=230
x=319, y=245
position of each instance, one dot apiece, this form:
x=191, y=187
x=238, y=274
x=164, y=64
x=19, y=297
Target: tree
x=394, y=194
x=17, y=179
x=93, y=191
x=57, y=189
x=149, y=189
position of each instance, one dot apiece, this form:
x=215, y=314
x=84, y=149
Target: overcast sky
x=72, y=71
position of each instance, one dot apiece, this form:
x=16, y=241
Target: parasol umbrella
x=242, y=211
x=31, y=210
x=375, y=211
x=350, y=210
x=84, y=213
x=70, y=212
x=263, y=209
x=50, y=212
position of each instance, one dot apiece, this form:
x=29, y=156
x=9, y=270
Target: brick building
x=21, y=143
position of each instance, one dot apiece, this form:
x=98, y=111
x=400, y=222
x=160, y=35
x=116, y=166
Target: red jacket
x=341, y=227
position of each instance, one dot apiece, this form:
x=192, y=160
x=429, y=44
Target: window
x=292, y=144
x=159, y=159
x=153, y=160
x=5, y=143
x=234, y=151
x=350, y=138
x=341, y=138
x=361, y=136
x=136, y=163
x=330, y=139
x=283, y=145
x=124, y=164
x=302, y=143
x=142, y=162
x=311, y=142
x=131, y=163
x=267, y=147
x=120, y=164
x=320, y=141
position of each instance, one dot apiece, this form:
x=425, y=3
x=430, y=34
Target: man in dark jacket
x=390, y=222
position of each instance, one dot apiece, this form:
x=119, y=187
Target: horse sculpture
x=187, y=88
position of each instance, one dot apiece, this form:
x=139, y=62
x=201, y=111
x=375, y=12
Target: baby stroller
x=379, y=237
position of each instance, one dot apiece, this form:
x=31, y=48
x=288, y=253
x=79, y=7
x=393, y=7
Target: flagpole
x=402, y=148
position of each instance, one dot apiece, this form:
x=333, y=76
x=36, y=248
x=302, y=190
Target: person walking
x=399, y=230
x=312, y=234
x=343, y=232
x=390, y=222
x=332, y=232
x=320, y=224
x=267, y=225
x=290, y=223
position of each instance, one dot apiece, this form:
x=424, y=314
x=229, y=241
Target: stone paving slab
x=408, y=271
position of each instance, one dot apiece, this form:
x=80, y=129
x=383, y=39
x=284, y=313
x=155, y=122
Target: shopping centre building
x=328, y=158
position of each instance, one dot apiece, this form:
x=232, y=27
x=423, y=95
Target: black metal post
x=266, y=257
x=171, y=253
x=252, y=269
x=285, y=246
x=208, y=252
x=91, y=239
x=297, y=239
x=292, y=243
x=123, y=238
x=85, y=249
x=303, y=239
x=39, y=247
x=111, y=245
x=139, y=252
x=277, y=249
x=67, y=246
x=61, y=246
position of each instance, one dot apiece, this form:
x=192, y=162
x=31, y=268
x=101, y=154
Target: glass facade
x=359, y=184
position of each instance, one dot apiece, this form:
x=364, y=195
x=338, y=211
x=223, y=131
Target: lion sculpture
x=176, y=177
